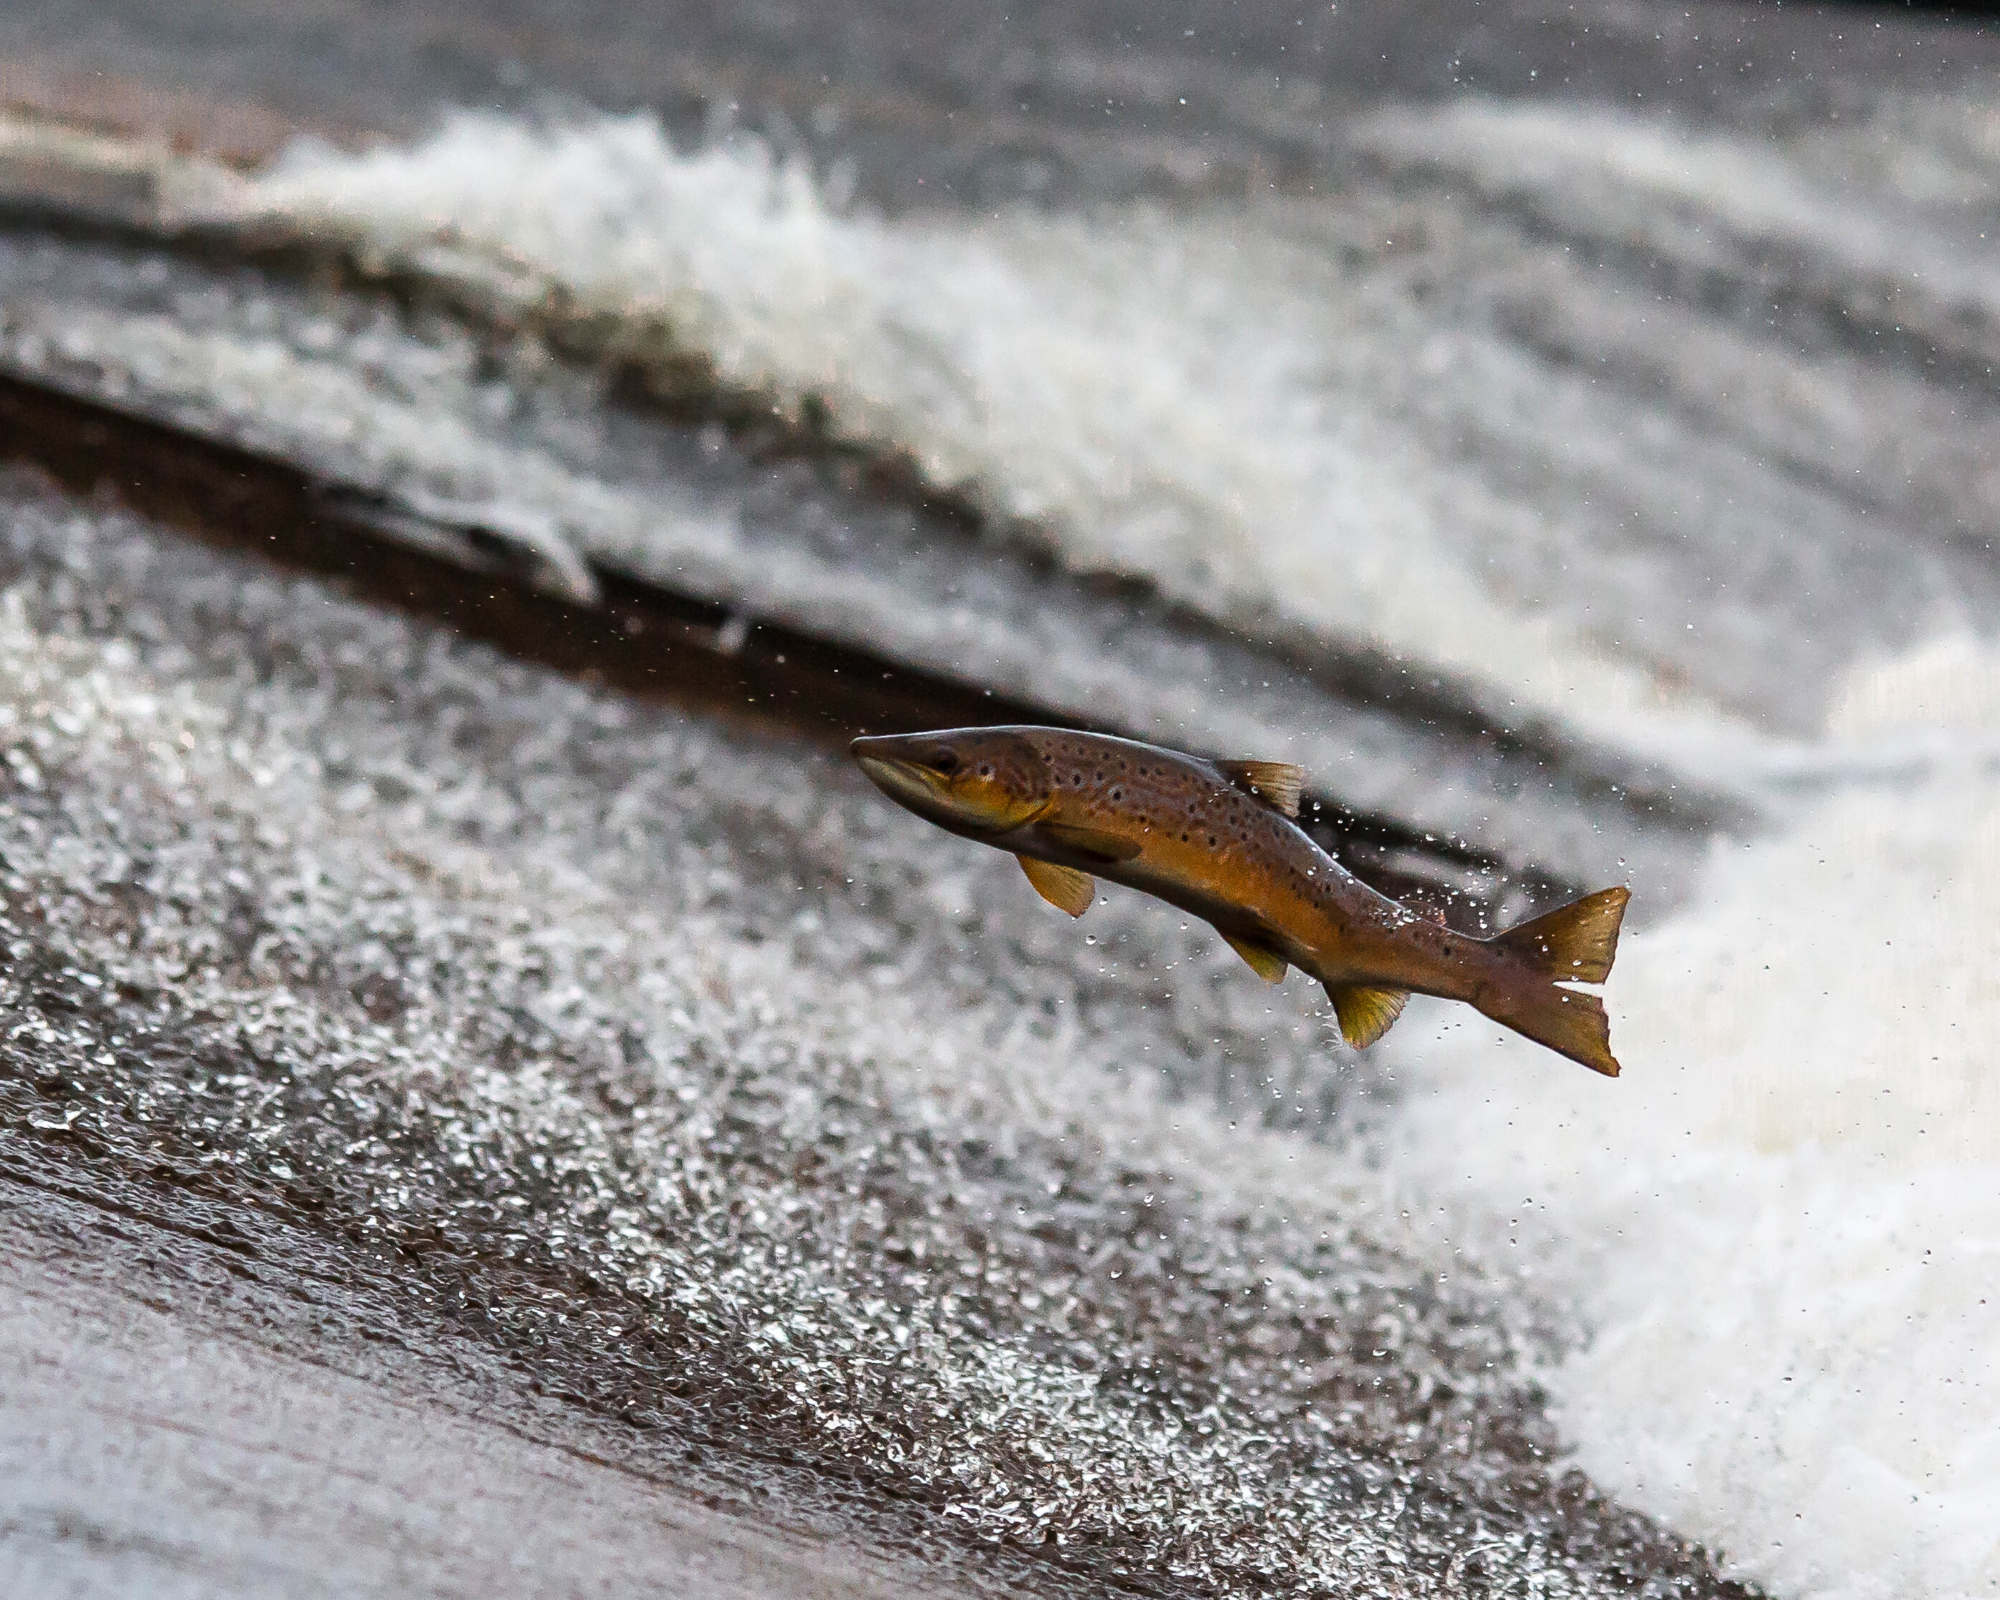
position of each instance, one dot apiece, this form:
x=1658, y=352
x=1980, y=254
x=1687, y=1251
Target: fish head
x=981, y=782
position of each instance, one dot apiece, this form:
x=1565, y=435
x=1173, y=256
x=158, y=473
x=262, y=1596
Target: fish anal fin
x=1063, y=887
x=1266, y=963
x=1276, y=783
x=1085, y=841
x=1365, y=1014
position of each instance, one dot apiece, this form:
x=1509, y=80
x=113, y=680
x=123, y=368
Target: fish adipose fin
x=1089, y=841
x=1276, y=783
x=1575, y=943
x=1365, y=1014
x=1267, y=964
x=1063, y=887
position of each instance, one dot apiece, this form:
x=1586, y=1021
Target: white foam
x=1780, y=1229
x=1950, y=686
x=1176, y=396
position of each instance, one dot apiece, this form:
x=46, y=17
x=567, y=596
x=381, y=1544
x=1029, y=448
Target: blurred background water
x=1570, y=431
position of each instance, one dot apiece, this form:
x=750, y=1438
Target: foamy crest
x=1781, y=1229
x=1178, y=397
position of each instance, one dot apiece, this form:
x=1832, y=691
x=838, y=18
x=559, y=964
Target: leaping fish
x=1218, y=839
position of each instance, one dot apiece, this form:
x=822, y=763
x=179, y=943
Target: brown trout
x=1218, y=840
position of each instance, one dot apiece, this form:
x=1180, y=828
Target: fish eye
x=945, y=762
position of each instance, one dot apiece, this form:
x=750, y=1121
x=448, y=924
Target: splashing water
x=1782, y=1226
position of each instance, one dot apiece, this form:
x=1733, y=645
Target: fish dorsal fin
x=1267, y=964
x=1063, y=887
x=1365, y=1014
x=1105, y=846
x=1276, y=783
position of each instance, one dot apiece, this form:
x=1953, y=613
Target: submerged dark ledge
x=589, y=619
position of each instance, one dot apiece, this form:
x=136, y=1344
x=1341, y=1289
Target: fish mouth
x=889, y=762
x=902, y=781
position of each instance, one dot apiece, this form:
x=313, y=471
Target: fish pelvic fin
x=1568, y=1022
x=1063, y=887
x=1575, y=943
x=1267, y=964
x=1276, y=783
x=1365, y=1014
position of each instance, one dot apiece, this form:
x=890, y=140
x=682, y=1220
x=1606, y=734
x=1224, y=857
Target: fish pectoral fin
x=1096, y=842
x=1063, y=887
x=1365, y=1014
x=1276, y=783
x=1266, y=963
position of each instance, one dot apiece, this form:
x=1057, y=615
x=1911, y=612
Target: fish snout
x=888, y=762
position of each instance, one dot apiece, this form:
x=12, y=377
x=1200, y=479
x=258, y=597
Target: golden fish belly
x=1332, y=927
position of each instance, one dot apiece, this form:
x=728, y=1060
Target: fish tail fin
x=1571, y=1024
x=1575, y=943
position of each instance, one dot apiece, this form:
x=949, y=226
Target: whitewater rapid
x=1219, y=404
x=1400, y=428
x=1779, y=1232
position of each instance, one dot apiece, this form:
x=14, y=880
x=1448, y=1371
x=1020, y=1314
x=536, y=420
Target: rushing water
x=1664, y=446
